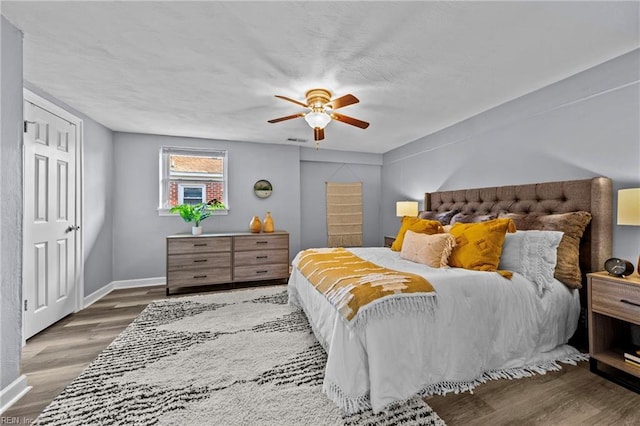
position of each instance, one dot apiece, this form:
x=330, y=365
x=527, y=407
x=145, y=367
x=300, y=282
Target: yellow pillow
x=415, y=224
x=479, y=245
x=431, y=250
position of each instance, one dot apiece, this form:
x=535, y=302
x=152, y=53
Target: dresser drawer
x=178, y=262
x=260, y=272
x=615, y=299
x=198, y=245
x=196, y=277
x=260, y=257
x=261, y=242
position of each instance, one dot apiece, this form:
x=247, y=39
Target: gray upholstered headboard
x=591, y=195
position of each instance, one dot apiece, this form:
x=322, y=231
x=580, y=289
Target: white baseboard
x=141, y=282
x=12, y=393
x=98, y=294
x=113, y=285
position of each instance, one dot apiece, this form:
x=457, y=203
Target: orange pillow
x=431, y=250
x=479, y=245
x=415, y=224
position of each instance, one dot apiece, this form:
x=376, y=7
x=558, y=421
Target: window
x=191, y=194
x=192, y=176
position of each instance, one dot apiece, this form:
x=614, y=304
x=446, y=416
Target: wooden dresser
x=226, y=258
x=613, y=304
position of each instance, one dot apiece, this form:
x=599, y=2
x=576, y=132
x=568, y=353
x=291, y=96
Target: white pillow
x=533, y=254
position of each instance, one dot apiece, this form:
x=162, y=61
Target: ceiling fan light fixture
x=321, y=111
x=317, y=119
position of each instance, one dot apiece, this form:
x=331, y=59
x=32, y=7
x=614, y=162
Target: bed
x=481, y=326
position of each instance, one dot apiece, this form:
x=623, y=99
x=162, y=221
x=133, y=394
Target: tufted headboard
x=591, y=195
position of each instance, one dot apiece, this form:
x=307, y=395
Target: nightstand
x=388, y=240
x=613, y=304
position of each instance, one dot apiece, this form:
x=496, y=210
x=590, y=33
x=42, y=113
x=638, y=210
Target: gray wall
x=584, y=126
x=320, y=166
x=11, y=205
x=139, y=232
x=98, y=194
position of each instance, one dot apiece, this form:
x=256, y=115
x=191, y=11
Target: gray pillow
x=442, y=217
x=471, y=218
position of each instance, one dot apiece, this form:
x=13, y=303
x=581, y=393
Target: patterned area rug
x=238, y=358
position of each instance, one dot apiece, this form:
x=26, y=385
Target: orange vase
x=255, y=225
x=268, y=223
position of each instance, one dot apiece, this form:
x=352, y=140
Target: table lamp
x=629, y=209
x=406, y=208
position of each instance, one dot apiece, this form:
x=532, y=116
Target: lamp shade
x=317, y=119
x=629, y=206
x=407, y=208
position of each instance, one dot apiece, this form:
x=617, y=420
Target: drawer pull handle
x=628, y=302
x=200, y=245
x=199, y=260
x=262, y=257
x=199, y=276
x=261, y=272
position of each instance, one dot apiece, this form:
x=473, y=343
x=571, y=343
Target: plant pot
x=196, y=230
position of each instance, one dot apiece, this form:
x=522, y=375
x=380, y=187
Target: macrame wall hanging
x=344, y=214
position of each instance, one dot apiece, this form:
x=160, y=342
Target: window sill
x=165, y=212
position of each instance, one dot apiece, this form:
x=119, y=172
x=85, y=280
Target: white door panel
x=50, y=236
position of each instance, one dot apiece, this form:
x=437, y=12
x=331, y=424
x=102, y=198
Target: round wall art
x=262, y=188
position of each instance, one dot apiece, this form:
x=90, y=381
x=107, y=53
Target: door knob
x=72, y=228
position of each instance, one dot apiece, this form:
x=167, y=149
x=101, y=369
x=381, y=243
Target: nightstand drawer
x=615, y=299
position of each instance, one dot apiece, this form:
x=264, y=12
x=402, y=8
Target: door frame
x=38, y=100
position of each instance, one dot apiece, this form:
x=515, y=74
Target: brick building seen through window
x=195, y=179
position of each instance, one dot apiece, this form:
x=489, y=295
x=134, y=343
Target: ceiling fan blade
x=318, y=134
x=292, y=100
x=288, y=117
x=349, y=120
x=342, y=101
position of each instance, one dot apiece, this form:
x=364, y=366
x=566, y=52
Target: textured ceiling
x=210, y=69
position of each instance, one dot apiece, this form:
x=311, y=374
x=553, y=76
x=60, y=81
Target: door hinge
x=25, y=304
x=26, y=123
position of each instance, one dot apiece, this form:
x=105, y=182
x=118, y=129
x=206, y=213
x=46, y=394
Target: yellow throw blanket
x=360, y=289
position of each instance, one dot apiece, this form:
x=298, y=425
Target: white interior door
x=50, y=227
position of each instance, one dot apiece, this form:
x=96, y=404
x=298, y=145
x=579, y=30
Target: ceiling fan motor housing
x=317, y=98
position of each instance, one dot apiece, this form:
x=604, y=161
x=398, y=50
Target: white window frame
x=203, y=193
x=164, y=168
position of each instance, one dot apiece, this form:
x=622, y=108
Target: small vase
x=268, y=223
x=196, y=230
x=255, y=225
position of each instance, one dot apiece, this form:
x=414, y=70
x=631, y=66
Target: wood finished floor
x=573, y=396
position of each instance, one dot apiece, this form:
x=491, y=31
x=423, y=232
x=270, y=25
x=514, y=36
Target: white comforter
x=484, y=324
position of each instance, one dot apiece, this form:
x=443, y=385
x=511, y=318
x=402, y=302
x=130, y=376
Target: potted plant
x=196, y=213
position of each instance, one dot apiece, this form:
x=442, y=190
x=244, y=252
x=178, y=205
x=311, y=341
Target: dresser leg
x=593, y=365
x=167, y=291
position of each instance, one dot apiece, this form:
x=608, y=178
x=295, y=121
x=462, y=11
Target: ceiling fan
x=322, y=111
